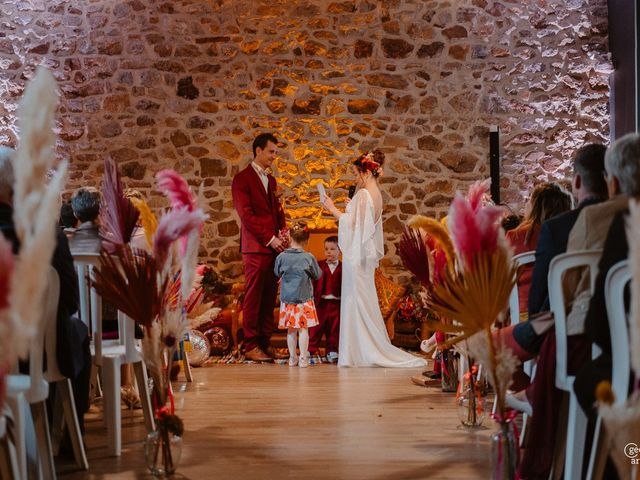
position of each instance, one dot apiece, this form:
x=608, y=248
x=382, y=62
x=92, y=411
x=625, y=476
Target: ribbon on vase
x=509, y=417
x=164, y=410
x=468, y=377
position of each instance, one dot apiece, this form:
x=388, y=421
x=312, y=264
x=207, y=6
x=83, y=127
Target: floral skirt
x=298, y=315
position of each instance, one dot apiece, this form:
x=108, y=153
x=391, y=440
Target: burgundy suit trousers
x=328, y=324
x=259, y=299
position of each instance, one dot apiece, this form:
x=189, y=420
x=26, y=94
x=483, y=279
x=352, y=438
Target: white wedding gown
x=364, y=341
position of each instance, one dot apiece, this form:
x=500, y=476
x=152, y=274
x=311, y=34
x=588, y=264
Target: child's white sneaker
x=304, y=362
x=293, y=361
x=332, y=357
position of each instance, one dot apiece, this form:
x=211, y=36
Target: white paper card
x=322, y=192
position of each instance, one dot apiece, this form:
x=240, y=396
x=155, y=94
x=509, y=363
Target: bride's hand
x=328, y=204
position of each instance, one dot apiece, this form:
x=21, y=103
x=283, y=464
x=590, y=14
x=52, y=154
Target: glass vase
x=505, y=452
x=162, y=451
x=449, y=370
x=470, y=401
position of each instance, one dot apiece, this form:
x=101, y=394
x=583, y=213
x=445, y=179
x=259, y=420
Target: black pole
x=494, y=163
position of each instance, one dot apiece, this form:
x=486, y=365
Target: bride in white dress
x=364, y=341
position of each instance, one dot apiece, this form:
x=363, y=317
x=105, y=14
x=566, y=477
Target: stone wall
x=187, y=84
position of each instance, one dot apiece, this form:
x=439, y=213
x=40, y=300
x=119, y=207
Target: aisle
x=273, y=422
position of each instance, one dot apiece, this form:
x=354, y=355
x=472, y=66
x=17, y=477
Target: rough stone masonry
x=187, y=84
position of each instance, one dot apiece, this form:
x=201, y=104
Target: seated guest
x=86, y=207
x=68, y=220
x=615, y=249
x=547, y=201
x=589, y=187
x=510, y=222
x=622, y=173
x=74, y=357
x=509, y=218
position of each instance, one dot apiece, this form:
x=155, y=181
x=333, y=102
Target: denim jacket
x=296, y=268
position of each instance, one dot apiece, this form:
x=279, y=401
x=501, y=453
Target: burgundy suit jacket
x=329, y=283
x=261, y=213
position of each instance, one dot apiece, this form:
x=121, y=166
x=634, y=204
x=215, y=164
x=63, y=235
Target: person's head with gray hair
x=7, y=178
x=86, y=204
x=622, y=166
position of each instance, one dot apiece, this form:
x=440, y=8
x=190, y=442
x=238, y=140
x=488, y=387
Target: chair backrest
x=90, y=302
x=39, y=390
x=618, y=277
x=91, y=311
x=557, y=268
x=520, y=260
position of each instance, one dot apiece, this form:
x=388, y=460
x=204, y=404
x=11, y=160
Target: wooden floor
x=323, y=422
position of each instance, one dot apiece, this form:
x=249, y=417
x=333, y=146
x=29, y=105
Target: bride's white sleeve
x=356, y=229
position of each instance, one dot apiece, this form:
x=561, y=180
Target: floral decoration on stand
x=147, y=288
x=475, y=297
x=427, y=251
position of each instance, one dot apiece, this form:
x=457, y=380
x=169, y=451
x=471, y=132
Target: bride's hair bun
x=371, y=162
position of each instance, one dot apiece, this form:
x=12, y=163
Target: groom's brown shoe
x=273, y=353
x=257, y=355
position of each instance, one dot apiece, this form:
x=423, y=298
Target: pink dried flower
x=477, y=192
x=172, y=226
x=473, y=225
x=176, y=188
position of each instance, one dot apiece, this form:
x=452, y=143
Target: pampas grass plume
x=36, y=207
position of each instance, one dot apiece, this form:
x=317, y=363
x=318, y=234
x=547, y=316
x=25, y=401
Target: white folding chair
x=110, y=355
x=576, y=419
x=33, y=390
x=618, y=277
x=8, y=460
x=521, y=260
x=65, y=412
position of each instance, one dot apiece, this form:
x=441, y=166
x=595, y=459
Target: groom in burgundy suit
x=262, y=218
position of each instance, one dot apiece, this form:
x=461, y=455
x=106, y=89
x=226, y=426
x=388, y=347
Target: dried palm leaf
x=476, y=297
x=147, y=218
x=118, y=216
x=129, y=281
x=414, y=255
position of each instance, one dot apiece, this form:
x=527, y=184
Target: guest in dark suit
x=73, y=355
x=625, y=154
x=262, y=218
x=597, y=370
x=588, y=187
x=622, y=175
x=326, y=292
